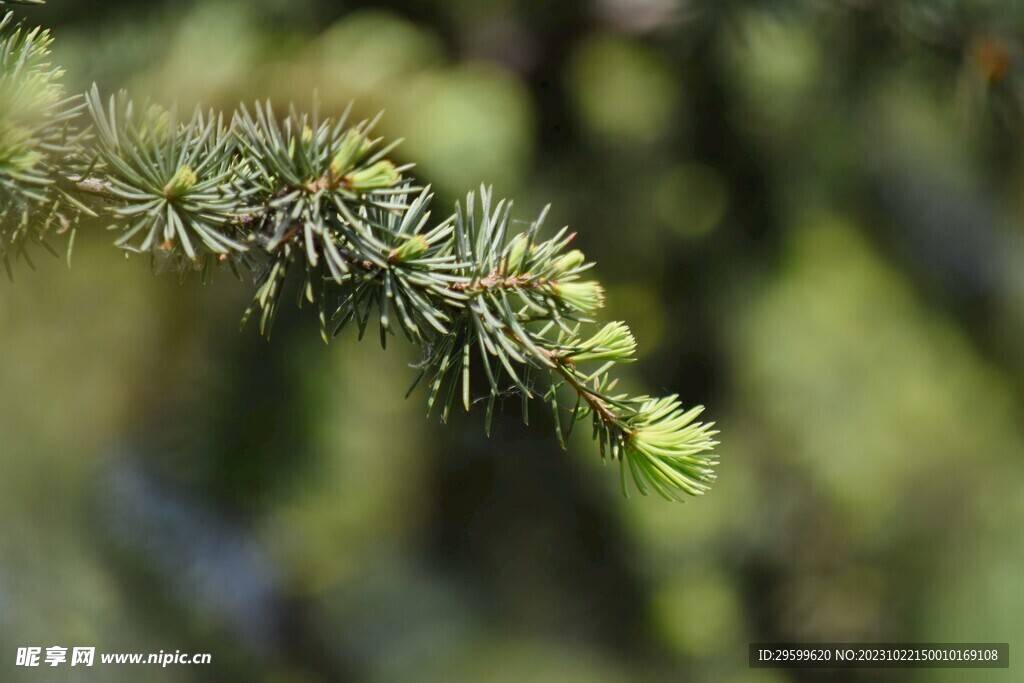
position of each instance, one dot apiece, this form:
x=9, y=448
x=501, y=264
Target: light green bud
x=380, y=175
x=182, y=182
x=568, y=262
x=613, y=342
x=584, y=296
x=352, y=148
x=414, y=248
x=517, y=252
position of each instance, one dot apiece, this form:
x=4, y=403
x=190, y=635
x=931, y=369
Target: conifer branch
x=321, y=202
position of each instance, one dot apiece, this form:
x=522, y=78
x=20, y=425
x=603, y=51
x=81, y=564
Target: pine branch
x=320, y=201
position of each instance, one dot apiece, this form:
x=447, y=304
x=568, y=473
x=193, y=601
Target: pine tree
x=318, y=201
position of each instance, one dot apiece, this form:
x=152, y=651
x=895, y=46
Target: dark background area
x=809, y=212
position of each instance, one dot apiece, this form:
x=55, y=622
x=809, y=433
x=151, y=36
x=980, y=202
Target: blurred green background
x=808, y=211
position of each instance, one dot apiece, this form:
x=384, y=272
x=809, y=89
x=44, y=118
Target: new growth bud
x=567, y=262
x=414, y=248
x=584, y=296
x=379, y=176
x=352, y=148
x=614, y=342
x=516, y=253
x=18, y=154
x=669, y=451
x=182, y=182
